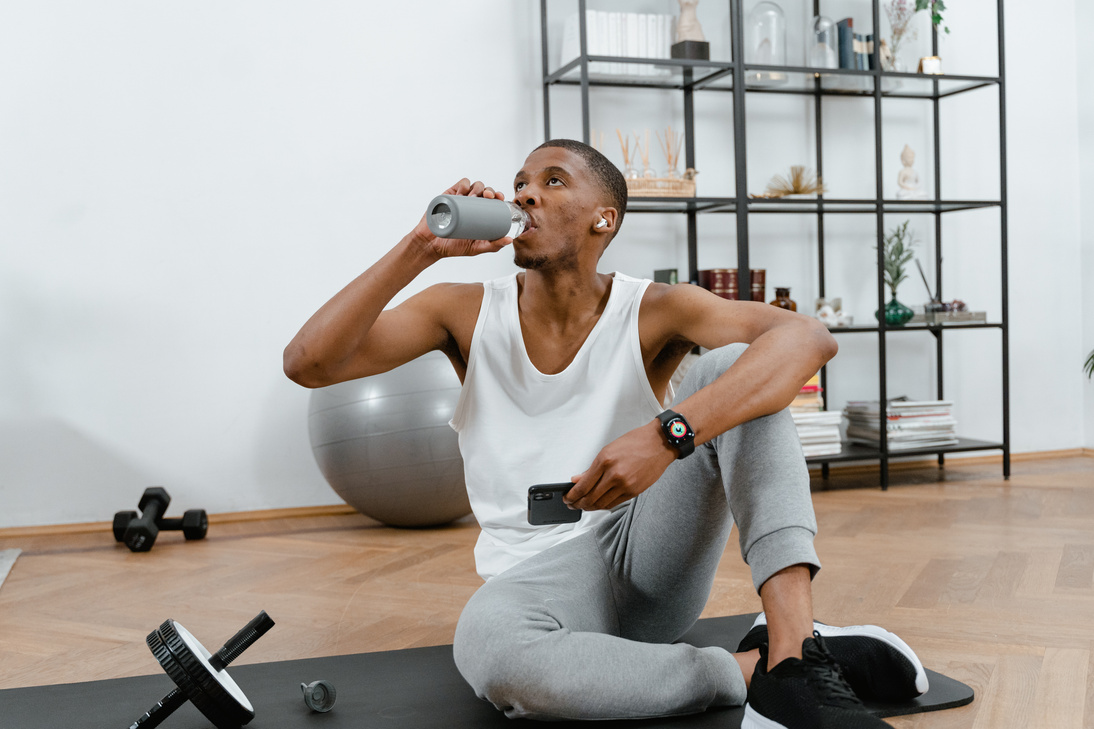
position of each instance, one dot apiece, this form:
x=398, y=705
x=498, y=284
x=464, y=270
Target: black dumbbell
x=199, y=676
x=139, y=532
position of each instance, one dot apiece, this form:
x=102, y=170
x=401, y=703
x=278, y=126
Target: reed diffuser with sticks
x=651, y=184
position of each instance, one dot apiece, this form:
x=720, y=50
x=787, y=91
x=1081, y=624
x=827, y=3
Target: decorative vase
x=890, y=61
x=766, y=43
x=896, y=313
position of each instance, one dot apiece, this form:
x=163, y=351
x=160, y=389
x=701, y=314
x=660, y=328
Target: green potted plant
x=895, y=257
x=935, y=7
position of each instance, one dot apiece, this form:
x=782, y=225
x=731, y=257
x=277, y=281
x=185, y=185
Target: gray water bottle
x=475, y=218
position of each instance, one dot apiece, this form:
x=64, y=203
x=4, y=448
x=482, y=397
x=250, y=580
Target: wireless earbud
x=602, y=224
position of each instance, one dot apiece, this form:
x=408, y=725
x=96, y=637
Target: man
x=564, y=370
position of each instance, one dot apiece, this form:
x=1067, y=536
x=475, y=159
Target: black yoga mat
x=417, y=688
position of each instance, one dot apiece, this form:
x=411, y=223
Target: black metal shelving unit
x=690, y=77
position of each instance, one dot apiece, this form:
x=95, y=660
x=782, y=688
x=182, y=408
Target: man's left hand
x=623, y=469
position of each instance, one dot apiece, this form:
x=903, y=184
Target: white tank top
x=518, y=427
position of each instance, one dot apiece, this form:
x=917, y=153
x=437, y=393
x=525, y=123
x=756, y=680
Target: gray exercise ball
x=384, y=444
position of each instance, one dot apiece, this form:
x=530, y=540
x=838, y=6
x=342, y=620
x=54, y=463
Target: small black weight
x=199, y=676
x=121, y=523
x=139, y=532
x=194, y=524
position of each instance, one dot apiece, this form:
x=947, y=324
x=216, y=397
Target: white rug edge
x=7, y=561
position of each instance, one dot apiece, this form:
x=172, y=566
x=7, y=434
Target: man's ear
x=604, y=220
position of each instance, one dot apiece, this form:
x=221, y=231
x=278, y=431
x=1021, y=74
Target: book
x=862, y=47
x=846, y=34
x=809, y=397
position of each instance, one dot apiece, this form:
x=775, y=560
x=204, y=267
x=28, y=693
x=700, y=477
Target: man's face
x=554, y=188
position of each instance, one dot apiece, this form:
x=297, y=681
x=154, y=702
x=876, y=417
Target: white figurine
x=687, y=26
x=830, y=313
x=908, y=181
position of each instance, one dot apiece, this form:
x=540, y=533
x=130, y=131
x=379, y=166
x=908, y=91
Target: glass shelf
x=917, y=327
x=669, y=73
x=799, y=205
x=637, y=204
x=665, y=73
x=861, y=452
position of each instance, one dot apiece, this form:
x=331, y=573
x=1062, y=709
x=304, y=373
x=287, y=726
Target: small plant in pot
x=896, y=255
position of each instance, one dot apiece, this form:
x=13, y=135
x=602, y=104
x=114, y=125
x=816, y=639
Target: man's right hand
x=448, y=247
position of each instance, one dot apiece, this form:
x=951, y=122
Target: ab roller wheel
x=199, y=676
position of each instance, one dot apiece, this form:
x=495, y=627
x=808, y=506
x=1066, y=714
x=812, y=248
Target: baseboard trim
x=294, y=512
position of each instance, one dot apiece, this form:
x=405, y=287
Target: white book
x=914, y=444
x=817, y=417
x=899, y=407
x=819, y=441
x=615, y=21
x=893, y=426
x=906, y=445
x=828, y=449
x=570, y=41
x=899, y=437
x=910, y=404
x=827, y=430
x=598, y=32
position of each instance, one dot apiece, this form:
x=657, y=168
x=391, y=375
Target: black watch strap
x=678, y=433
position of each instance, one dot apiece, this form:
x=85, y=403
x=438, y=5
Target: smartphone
x=545, y=504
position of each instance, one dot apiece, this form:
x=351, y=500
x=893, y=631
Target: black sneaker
x=877, y=664
x=805, y=693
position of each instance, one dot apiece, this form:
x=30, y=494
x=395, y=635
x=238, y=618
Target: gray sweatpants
x=585, y=630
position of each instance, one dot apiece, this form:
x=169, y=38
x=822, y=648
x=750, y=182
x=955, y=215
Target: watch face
x=678, y=429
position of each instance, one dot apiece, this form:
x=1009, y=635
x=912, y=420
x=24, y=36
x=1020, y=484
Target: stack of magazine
x=818, y=429
x=909, y=424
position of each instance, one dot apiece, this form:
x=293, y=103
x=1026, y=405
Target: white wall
x=184, y=184
x=1084, y=26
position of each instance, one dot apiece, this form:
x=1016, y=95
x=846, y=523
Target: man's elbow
x=300, y=369
x=823, y=342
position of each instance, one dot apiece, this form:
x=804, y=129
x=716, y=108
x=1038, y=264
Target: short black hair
x=607, y=175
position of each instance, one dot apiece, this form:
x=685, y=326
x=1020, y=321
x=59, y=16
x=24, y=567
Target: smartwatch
x=678, y=433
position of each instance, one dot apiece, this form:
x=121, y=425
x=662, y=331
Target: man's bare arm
x=352, y=336
x=785, y=350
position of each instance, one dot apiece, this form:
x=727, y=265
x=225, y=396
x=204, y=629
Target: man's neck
x=562, y=299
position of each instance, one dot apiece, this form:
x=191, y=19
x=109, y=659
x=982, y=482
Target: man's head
x=573, y=192
x=607, y=176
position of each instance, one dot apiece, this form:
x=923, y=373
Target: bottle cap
x=319, y=695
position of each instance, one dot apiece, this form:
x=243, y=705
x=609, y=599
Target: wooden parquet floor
x=992, y=582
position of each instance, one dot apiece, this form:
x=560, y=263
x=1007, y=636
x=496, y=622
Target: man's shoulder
x=446, y=299
x=670, y=296
x=670, y=309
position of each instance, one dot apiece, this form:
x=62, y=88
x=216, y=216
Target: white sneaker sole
x=753, y=720
x=872, y=631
